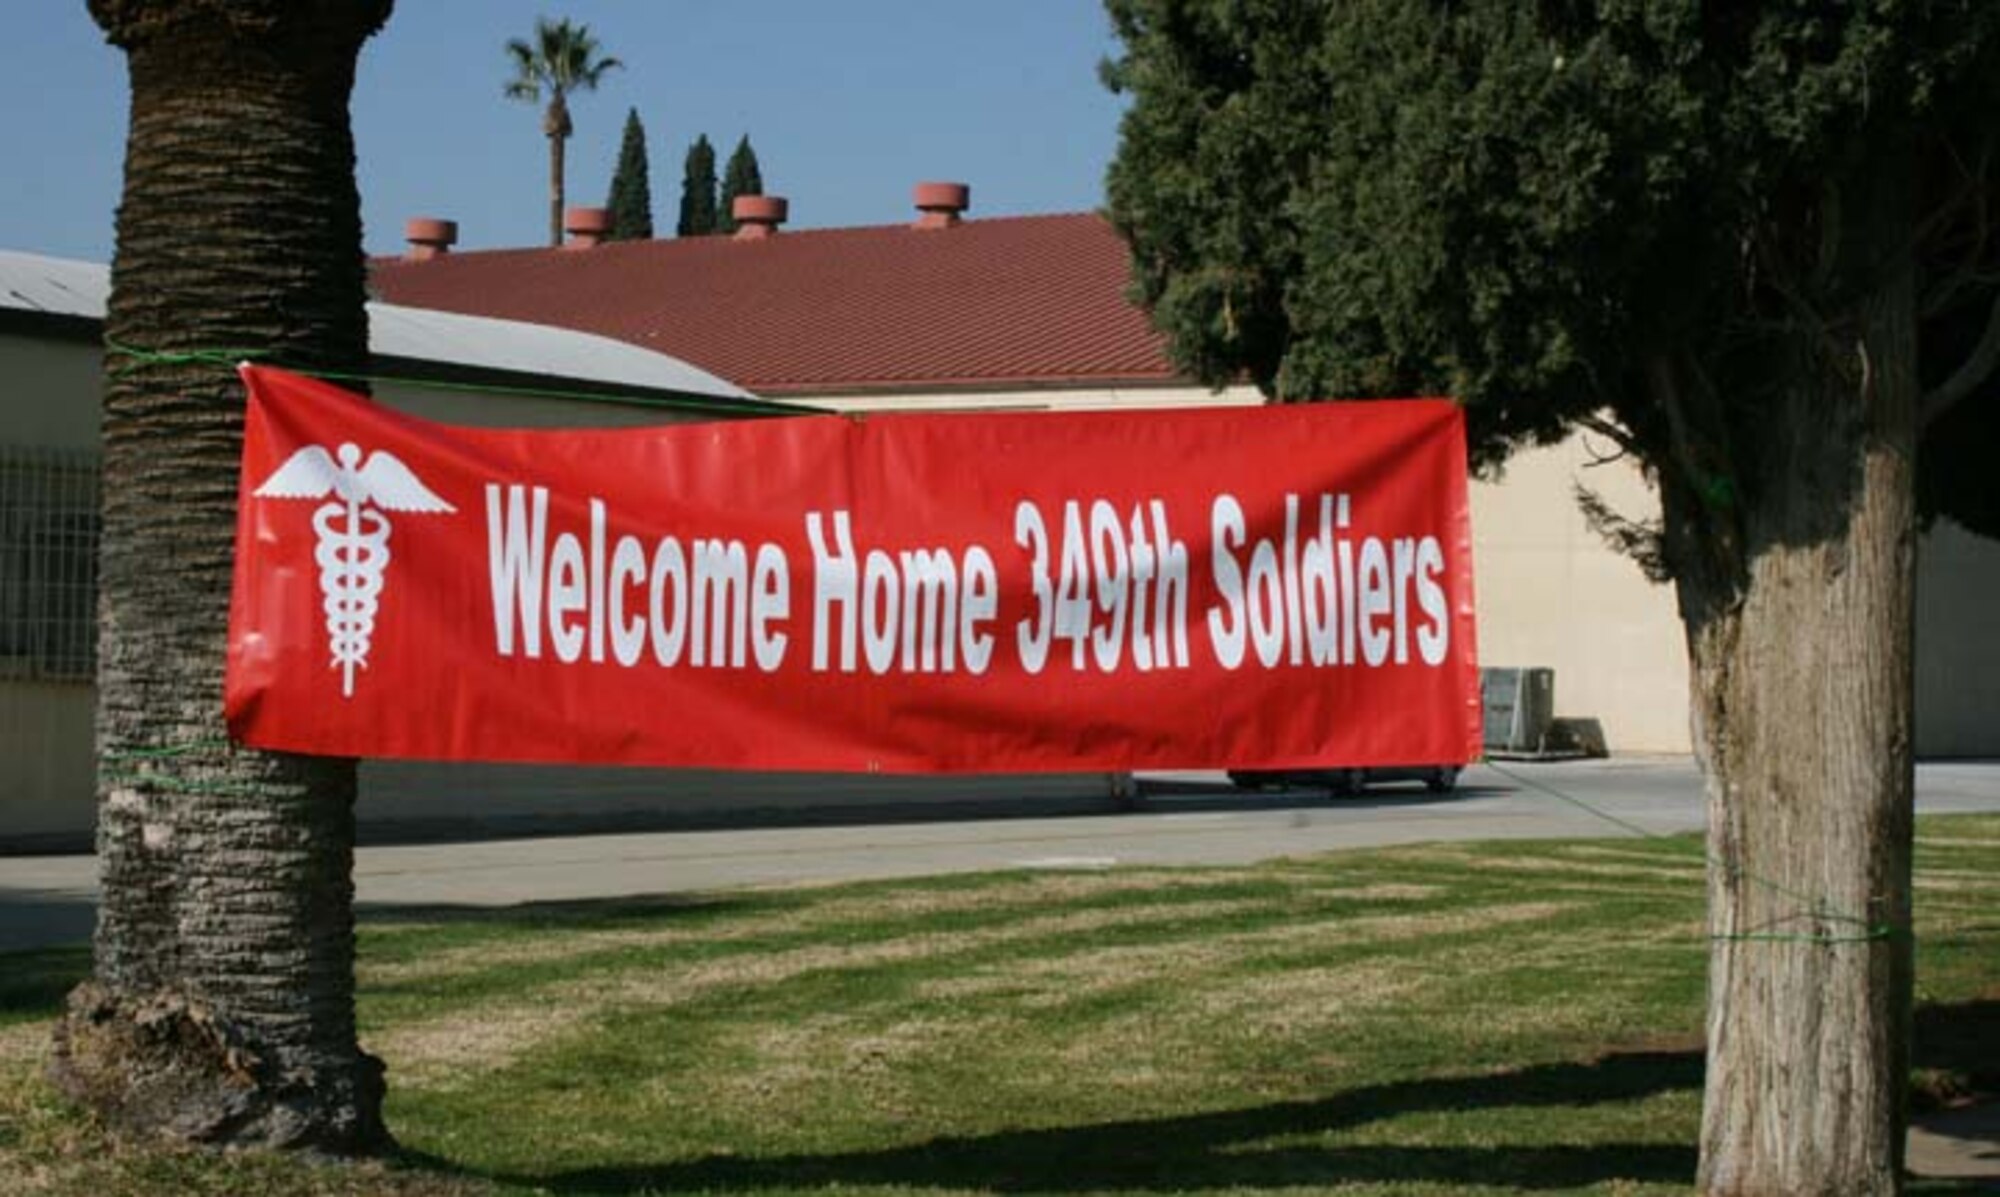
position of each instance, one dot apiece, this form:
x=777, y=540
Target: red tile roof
x=1021, y=301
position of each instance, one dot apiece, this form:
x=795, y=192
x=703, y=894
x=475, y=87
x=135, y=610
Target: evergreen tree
x=740, y=177
x=698, y=217
x=1750, y=244
x=631, y=201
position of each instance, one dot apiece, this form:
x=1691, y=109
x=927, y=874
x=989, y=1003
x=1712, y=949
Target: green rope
x=1817, y=908
x=1579, y=803
x=230, y=358
x=227, y=358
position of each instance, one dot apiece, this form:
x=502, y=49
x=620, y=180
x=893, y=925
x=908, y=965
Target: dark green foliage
x=698, y=215
x=631, y=201
x=1539, y=207
x=740, y=177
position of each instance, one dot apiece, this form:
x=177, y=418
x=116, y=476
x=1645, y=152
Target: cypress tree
x=631, y=201
x=740, y=177
x=698, y=191
x=1751, y=245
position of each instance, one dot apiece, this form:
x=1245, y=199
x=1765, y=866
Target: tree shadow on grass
x=1262, y=1147
x=1962, y=1039
x=565, y=914
x=1274, y=1146
x=34, y=983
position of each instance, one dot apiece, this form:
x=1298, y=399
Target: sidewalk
x=1957, y=1145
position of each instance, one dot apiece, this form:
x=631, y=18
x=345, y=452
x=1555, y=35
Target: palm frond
x=562, y=57
x=526, y=84
x=587, y=78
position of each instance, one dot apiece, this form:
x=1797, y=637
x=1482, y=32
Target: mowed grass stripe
x=766, y=920
x=553, y=972
x=455, y=1046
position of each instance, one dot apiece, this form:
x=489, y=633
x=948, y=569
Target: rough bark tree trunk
x=222, y=1005
x=1803, y=724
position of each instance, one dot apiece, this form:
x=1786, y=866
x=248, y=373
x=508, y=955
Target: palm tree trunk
x=556, y=126
x=555, y=190
x=222, y=1005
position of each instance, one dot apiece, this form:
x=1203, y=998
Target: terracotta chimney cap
x=942, y=204
x=429, y=237
x=758, y=216
x=587, y=227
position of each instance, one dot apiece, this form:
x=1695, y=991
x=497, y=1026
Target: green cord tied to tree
x=1812, y=911
x=226, y=358
x=139, y=768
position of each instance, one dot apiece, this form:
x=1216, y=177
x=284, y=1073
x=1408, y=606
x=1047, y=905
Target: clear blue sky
x=848, y=103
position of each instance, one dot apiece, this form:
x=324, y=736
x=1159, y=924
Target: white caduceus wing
x=393, y=487
x=306, y=474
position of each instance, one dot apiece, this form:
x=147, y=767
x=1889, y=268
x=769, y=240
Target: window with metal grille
x=48, y=563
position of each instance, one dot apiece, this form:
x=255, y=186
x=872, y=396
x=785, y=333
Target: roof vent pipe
x=941, y=204
x=758, y=216
x=429, y=238
x=587, y=228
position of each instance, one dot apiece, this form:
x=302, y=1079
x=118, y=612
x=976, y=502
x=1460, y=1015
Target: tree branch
x=1681, y=452
x=1628, y=445
x=1977, y=368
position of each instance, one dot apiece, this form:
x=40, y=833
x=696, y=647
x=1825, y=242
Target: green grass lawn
x=1486, y=1018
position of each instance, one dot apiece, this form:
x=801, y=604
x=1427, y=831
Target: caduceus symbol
x=352, y=548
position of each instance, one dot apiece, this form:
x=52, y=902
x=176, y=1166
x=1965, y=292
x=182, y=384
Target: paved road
x=1188, y=818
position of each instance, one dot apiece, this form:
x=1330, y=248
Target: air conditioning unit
x=1519, y=706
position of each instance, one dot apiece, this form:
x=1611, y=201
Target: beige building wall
x=1552, y=593
x=48, y=400
x=49, y=391
x=47, y=758
x=1958, y=644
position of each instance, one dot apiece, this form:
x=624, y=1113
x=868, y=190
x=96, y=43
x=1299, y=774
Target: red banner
x=1279, y=587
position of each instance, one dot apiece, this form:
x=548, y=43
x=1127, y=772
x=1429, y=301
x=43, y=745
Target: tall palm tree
x=221, y=1007
x=563, y=58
